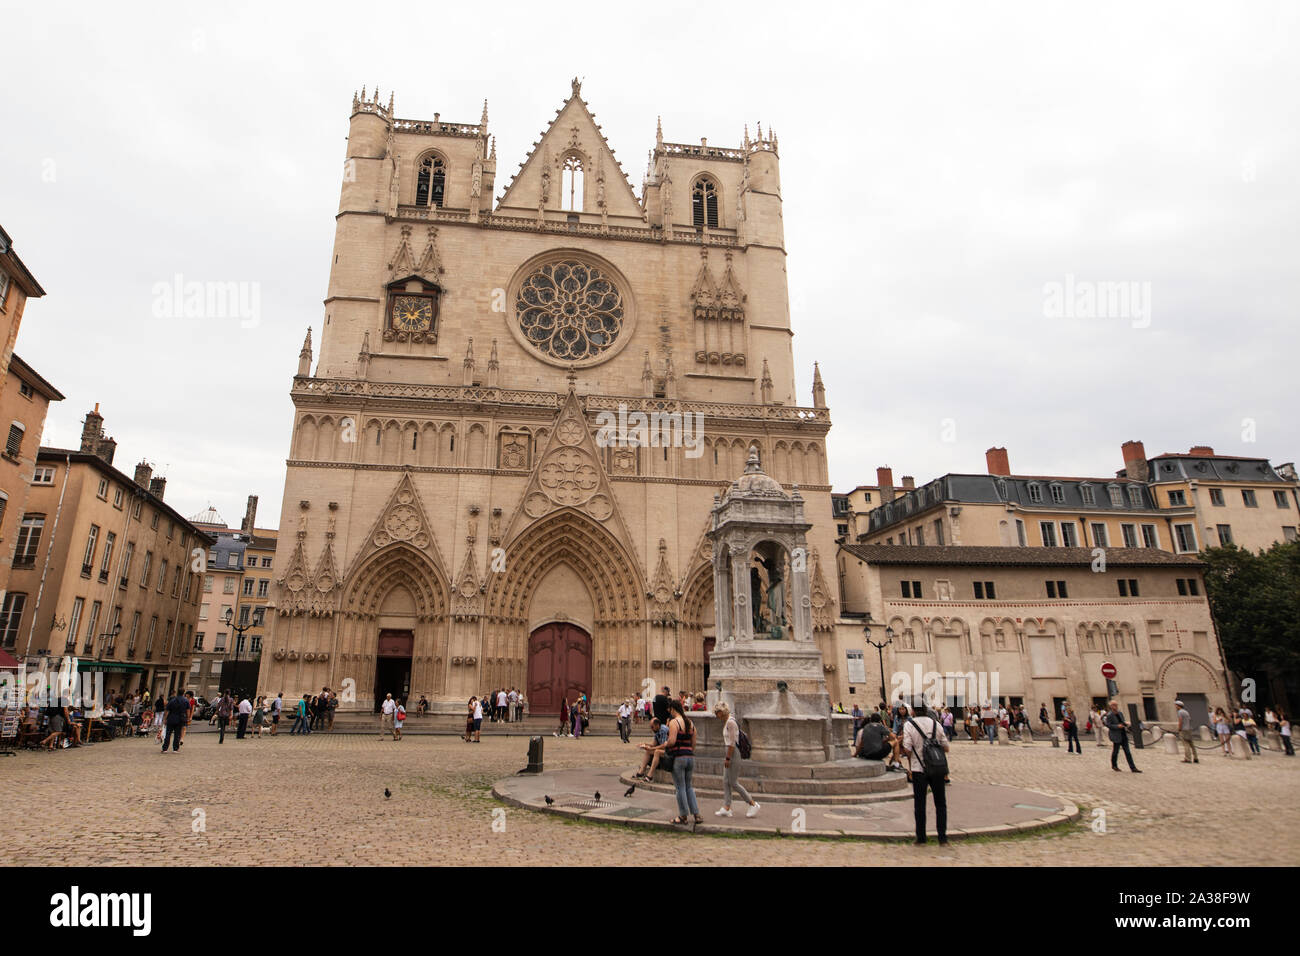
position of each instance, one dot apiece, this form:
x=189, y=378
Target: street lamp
x=105, y=639
x=880, y=650
x=239, y=630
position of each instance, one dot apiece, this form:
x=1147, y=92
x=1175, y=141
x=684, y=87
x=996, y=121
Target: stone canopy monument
x=766, y=667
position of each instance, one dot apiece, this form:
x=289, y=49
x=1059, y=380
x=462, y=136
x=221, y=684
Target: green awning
x=107, y=666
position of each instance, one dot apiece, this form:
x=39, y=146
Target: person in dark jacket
x=1118, y=738
x=661, y=705
x=178, y=711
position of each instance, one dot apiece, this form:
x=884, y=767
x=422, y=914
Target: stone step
x=711, y=788
x=850, y=769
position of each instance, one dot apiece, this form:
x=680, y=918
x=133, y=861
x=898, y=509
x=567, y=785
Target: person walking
x=563, y=729
x=1284, y=728
x=731, y=764
x=921, y=731
x=1252, y=732
x=1043, y=717
x=989, y=718
x=277, y=708
x=478, y=720
x=1185, y=733
x=625, y=721
x=1222, y=730
x=1070, y=724
x=224, y=707
x=681, y=747
x=178, y=710
x=1119, y=738
x=245, y=711
x=386, y=711
x=399, y=718
x=259, y=716
x=575, y=718
x=300, y=722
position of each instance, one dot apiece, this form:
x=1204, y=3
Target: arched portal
x=614, y=587
x=394, y=635
x=559, y=666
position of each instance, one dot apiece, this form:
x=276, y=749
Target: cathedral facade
x=522, y=409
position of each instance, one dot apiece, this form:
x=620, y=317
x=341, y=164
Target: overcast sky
x=942, y=166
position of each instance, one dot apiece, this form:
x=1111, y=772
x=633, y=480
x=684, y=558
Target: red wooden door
x=559, y=666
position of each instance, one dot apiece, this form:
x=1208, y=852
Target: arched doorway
x=559, y=666
x=393, y=665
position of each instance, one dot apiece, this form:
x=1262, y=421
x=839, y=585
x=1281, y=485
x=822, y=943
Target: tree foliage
x=1255, y=598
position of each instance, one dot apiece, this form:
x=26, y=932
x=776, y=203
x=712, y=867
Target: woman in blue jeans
x=681, y=747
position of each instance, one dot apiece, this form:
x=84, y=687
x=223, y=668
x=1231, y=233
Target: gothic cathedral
x=503, y=465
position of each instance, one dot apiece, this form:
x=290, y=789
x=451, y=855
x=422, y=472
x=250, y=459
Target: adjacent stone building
x=1032, y=626
x=503, y=464
x=25, y=398
x=108, y=574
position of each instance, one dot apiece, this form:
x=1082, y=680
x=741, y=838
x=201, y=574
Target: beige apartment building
x=1177, y=503
x=503, y=463
x=107, y=573
x=25, y=398
x=1231, y=499
x=1040, y=620
x=237, y=583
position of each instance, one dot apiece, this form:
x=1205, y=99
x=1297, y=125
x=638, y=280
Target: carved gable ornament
x=402, y=520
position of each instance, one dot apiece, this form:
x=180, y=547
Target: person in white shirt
x=625, y=721
x=501, y=705
x=512, y=713
x=386, y=711
x=916, y=731
x=731, y=764
x=989, y=718
x=478, y=721
x=245, y=711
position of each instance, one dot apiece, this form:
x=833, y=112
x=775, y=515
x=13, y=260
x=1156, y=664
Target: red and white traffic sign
x=1108, y=671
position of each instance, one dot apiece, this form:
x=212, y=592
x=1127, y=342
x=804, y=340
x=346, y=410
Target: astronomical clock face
x=412, y=313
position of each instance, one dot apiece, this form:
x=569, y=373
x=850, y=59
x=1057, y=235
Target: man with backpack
x=927, y=750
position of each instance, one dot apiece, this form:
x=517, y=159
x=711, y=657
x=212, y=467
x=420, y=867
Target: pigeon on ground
x=387, y=793
x=598, y=796
x=629, y=791
x=549, y=801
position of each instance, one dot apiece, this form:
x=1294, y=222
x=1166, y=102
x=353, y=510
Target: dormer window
x=1058, y=495
x=1036, y=493
x=1002, y=489
x=431, y=182
x=704, y=203
x=1116, y=496
x=1088, y=494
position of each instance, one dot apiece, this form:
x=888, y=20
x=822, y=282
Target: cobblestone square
x=320, y=800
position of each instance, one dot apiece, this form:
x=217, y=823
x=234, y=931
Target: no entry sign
x=1108, y=671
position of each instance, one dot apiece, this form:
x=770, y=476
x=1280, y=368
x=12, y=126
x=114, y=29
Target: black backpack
x=743, y=746
x=933, y=758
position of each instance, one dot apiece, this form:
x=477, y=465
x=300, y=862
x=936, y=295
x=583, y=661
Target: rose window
x=570, y=311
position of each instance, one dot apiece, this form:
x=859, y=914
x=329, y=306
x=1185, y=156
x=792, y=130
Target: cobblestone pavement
x=320, y=800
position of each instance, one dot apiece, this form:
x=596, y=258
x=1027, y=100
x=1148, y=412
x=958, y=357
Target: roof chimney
x=909, y=482
x=1135, y=460
x=250, y=516
x=885, y=482
x=157, y=486
x=996, y=458
x=92, y=429
x=143, y=472
x=1202, y=451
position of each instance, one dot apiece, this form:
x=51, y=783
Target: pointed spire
x=746, y=136
x=483, y=119
x=765, y=384
x=493, y=154
x=365, y=344
x=659, y=132
x=304, y=357
x=390, y=103
x=819, y=389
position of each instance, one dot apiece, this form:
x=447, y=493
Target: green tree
x=1255, y=599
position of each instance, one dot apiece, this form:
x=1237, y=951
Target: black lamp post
x=239, y=630
x=880, y=651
